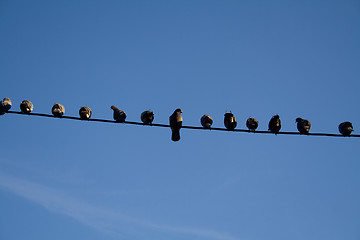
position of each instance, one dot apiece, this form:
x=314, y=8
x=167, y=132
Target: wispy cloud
x=102, y=219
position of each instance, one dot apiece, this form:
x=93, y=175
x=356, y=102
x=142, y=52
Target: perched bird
x=119, y=115
x=175, y=123
x=275, y=124
x=26, y=106
x=85, y=113
x=252, y=124
x=230, y=121
x=345, y=128
x=206, y=121
x=58, y=110
x=303, y=125
x=147, y=117
x=5, y=105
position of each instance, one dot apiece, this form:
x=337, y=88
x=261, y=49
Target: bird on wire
x=345, y=128
x=5, y=105
x=26, y=106
x=119, y=115
x=206, y=121
x=275, y=124
x=58, y=110
x=85, y=113
x=252, y=124
x=230, y=121
x=147, y=117
x=303, y=125
x=175, y=121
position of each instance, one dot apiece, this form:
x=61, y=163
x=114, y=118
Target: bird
x=206, y=121
x=147, y=117
x=345, y=128
x=26, y=106
x=275, y=124
x=58, y=110
x=5, y=105
x=85, y=113
x=175, y=124
x=230, y=121
x=119, y=115
x=303, y=125
x=252, y=124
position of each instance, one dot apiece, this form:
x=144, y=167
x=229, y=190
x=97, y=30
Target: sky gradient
x=63, y=179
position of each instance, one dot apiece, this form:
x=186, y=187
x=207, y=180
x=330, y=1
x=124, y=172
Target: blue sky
x=64, y=179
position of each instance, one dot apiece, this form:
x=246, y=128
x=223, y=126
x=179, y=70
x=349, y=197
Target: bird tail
x=175, y=136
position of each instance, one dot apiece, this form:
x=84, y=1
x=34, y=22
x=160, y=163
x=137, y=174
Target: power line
x=186, y=127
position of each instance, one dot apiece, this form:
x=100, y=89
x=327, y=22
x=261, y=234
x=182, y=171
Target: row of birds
x=175, y=120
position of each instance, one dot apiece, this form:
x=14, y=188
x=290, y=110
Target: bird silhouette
x=206, y=121
x=5, y=105
x=58, y=110
x=303, y=125
x=345, y=128
x=26, y=106
x=85, y=113
x=176, y=123
x=252, y=124
x=275, y=124
x=147, y=117
x=230, y=121
x=119, y=115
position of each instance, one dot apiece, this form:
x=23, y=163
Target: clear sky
x=63, y=179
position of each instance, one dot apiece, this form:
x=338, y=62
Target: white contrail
x=96, y=217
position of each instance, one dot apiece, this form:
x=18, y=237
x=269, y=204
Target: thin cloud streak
x=96, y=217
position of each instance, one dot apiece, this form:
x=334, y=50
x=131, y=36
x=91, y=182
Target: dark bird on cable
x=147, y=117
x=5, y=105
x=230, y=121
x=345, y=128
x=252, y=124
x=303, y=125
x=85, y=113
x=206, y=121
x=26, y=106
x=176, y=123
x=119, y=115
x=58, y=110
x=275, y=124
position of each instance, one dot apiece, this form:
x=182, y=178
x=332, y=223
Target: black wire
x=187, y=127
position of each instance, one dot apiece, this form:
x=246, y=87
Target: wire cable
x=186, y=127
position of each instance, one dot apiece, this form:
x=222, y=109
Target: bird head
x=299, y=119
x=114, y=108
x=349, y=126
x=148, y=113
x=276, y=116
x=178, y=110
